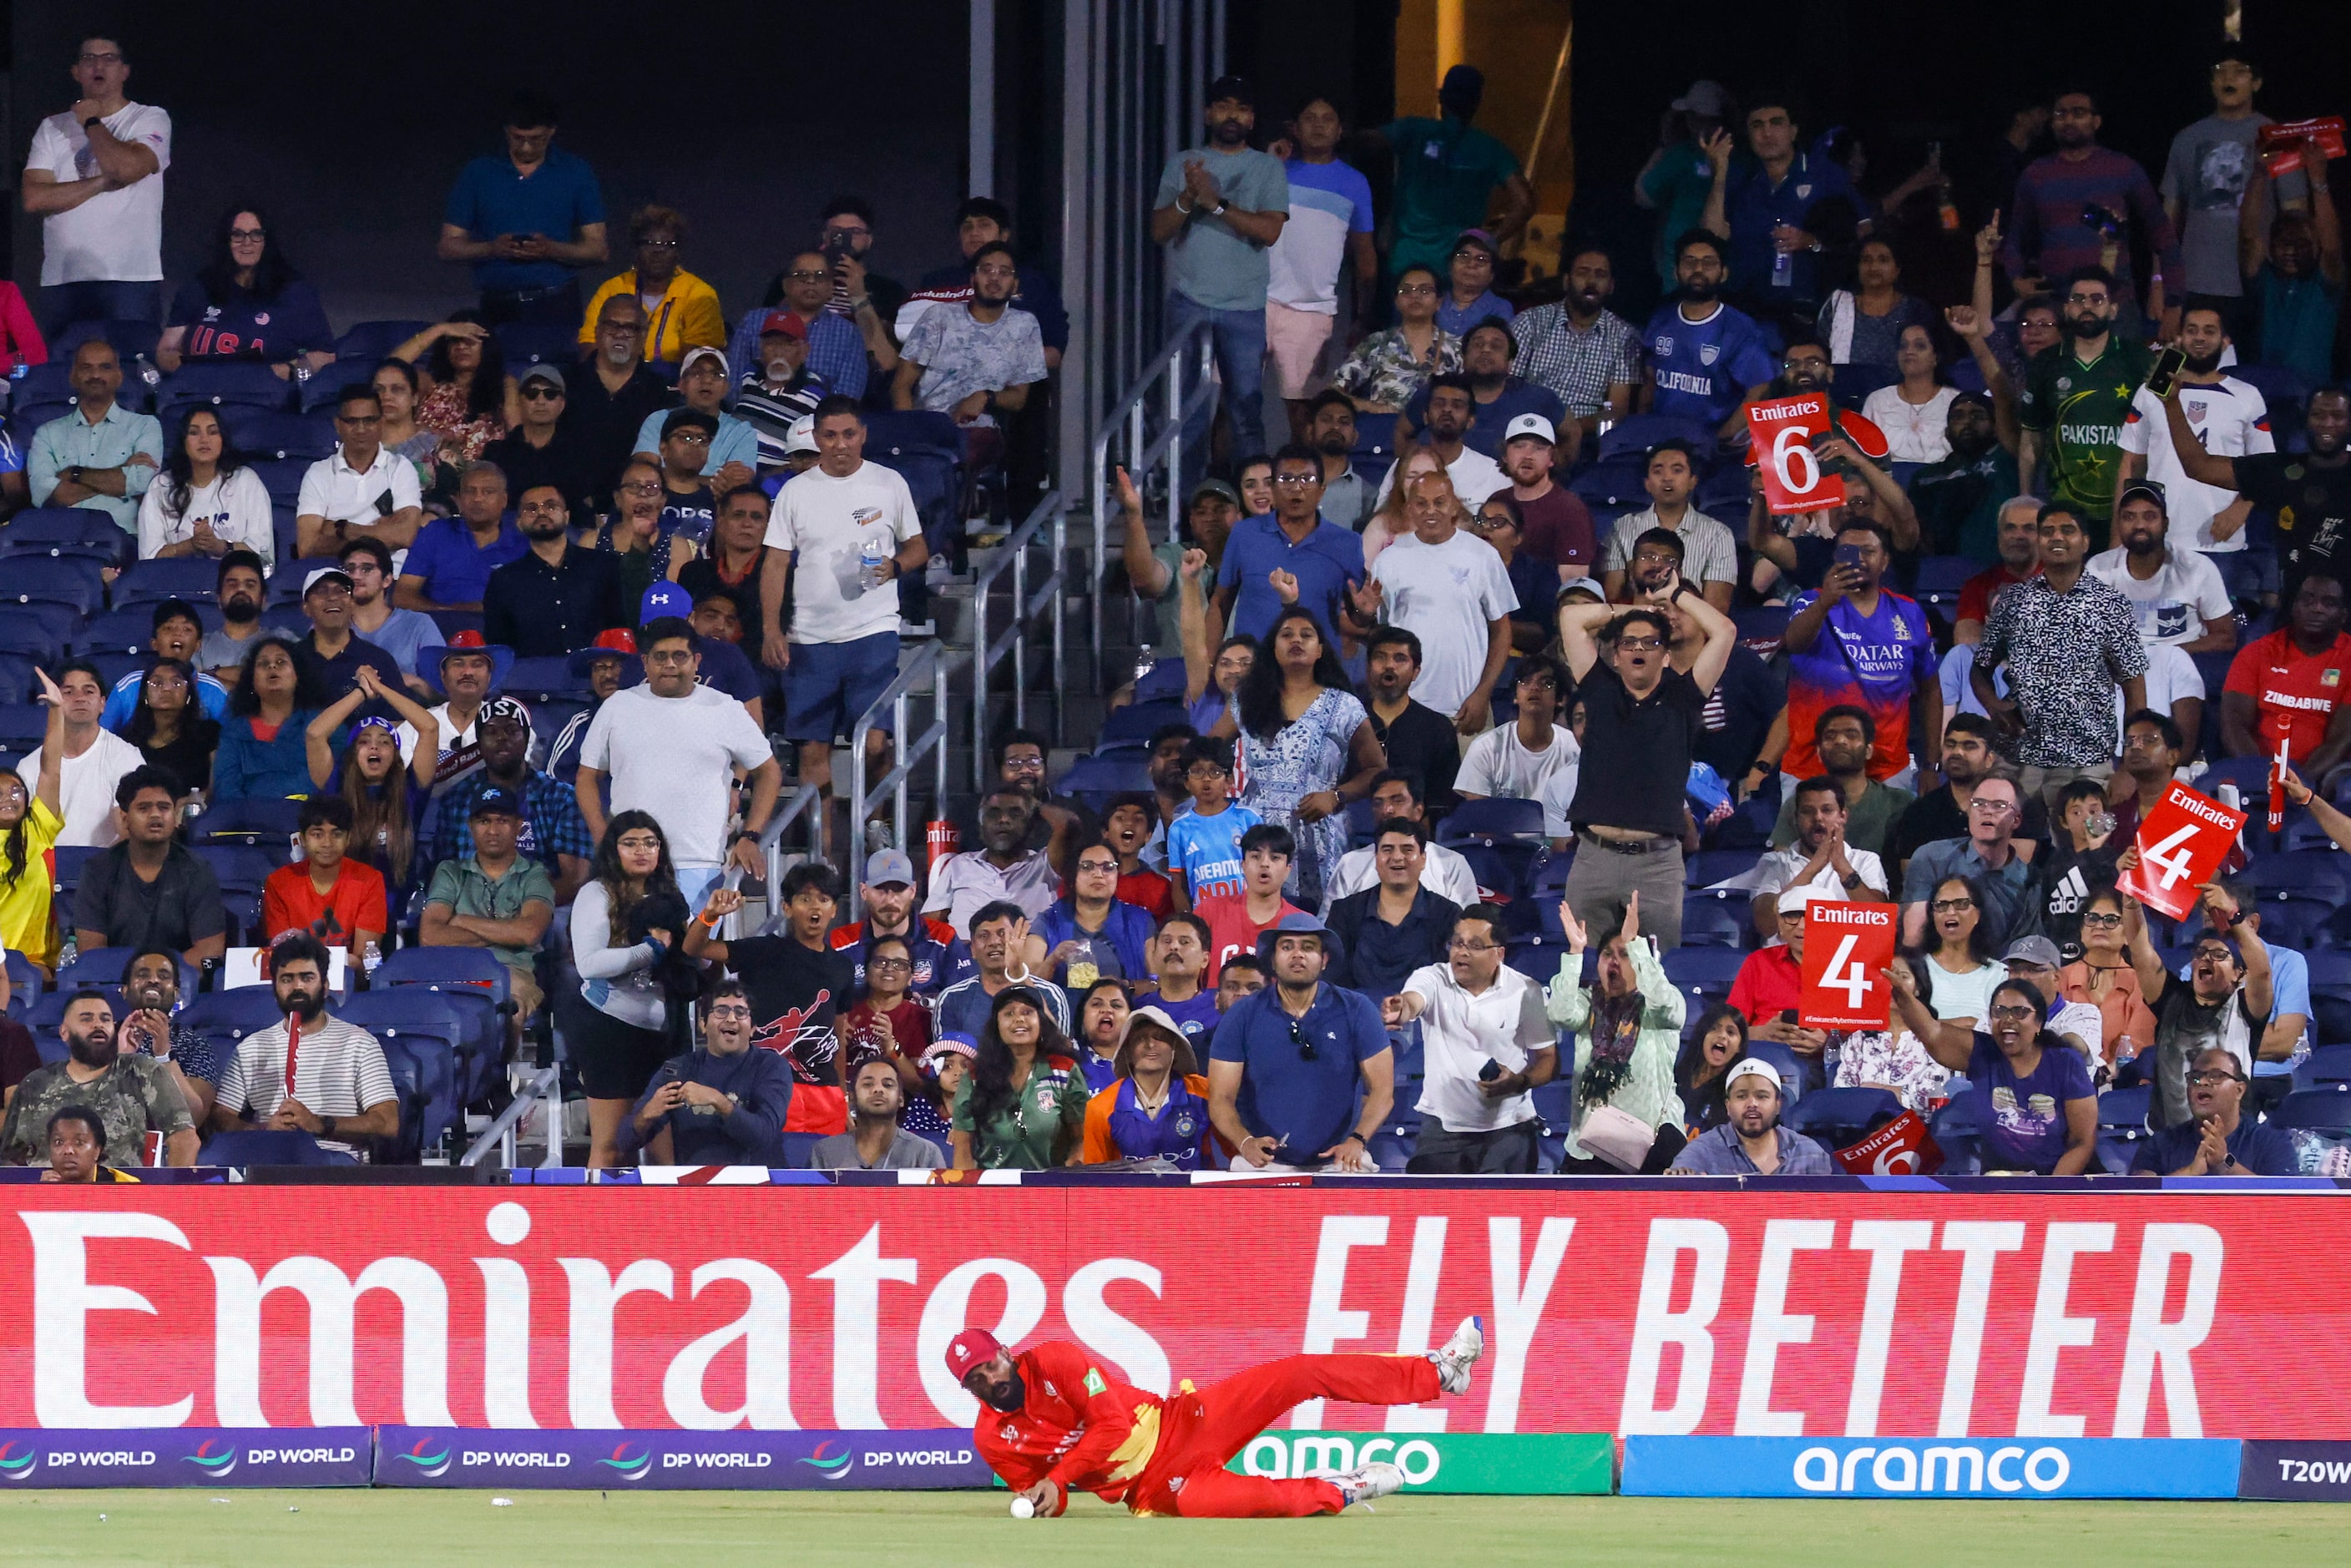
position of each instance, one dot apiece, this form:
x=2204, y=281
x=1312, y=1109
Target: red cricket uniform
x=1089, y=1432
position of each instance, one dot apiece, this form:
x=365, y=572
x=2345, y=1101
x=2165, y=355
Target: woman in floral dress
x=1306, y=747
x=1388, y=367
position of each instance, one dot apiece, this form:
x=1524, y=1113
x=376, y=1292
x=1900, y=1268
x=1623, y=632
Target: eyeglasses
x=1458, y=946
x=95, y=59
x=539, y=392
x=1024, y=765
x=1951, y=905
x=2104, y=922
x=1471, y=253
x=2079, y=298
x=674, y=656
x=691, y=437
x=1298, y=481
x=1298, y=1038
x=2015, y=1015
x=1098, y=868
x=893, y=965
x=1640, y=644
x=640, y=843
x=622, y=329
x=730, y=1011
x=1409, y=290
x=641, y=487
x=2209, y=1078
x=657, y=245
x=249, y=236
x=1994, y=808
x=808, y=275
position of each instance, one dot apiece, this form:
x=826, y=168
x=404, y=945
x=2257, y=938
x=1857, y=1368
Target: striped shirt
x=338, y=1071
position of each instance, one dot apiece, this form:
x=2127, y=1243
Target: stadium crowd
x=518, y=625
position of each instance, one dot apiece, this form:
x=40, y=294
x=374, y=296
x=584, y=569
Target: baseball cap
x=2038, y=951
x=1974, y=399
x=884, y=867
x=787, y=322
x=1232, y=87
x=679, y=419
x=496, y=800
x=504, y=709
x=1480, y=238
x=2150, y=489
x=325, y=574
x=971, y=1348
x=663, y=599
x=1530, y=424
x=1793, y=899
x=1704, y=97
x=542, y=373
x=1216, y=487
x=703, y=351
x=801, y=436
x=615, y=642
x=1753, y=1067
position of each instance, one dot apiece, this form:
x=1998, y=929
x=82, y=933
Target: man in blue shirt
x=449, y=566
x=98, y=454
x=2221, y=1140
x=529, y=222
x=1706, y=359
x=1285, y=1061
x=1780, y=214
x=1324, y=560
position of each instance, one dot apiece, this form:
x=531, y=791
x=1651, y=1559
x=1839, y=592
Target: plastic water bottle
x=1142, y=661
x=1783, y=268
x=148, y=373
x=869, y=568
x=70, y=952
x=1083, y=969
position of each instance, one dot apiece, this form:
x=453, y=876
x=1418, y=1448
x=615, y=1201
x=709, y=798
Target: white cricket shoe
x=1367, y=1481
x=1458, y=1354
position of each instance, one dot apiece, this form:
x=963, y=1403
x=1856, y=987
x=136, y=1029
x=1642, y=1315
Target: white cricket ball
x=1023, y=1509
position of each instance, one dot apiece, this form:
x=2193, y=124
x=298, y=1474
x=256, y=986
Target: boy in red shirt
x=1126, y=830
x=1236, y=920
x=340, y=902
x=1769, y=987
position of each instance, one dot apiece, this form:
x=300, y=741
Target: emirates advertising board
x=1678, y=1310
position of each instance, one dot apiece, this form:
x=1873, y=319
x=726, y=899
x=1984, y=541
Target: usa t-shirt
x=2230, y=418
x=1873, y=662
x=2172, y=606
x=1207, y=850
x=1328, y=202
x=827, y=523
x=1701, y=369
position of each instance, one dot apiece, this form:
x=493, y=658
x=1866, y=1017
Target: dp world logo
x=19, y=1467
x=830, y=1464
x=428, y=1465
x=627, y=1468
x=212, y=1464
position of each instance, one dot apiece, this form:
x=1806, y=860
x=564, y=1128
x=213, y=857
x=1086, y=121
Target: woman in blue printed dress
x=1306, y=747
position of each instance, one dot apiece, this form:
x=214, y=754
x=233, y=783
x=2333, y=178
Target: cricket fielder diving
x=1052, y=1422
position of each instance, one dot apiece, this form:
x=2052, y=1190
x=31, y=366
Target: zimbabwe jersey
x=2079, y=409
x=1076, y=1424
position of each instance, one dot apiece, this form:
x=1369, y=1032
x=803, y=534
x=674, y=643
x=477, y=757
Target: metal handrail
x=935, y=663
x=544, y=1088
x=1142, y=458
x=986, y=652
x=771, y=839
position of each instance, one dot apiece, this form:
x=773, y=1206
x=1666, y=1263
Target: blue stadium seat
x=799, y=1147
x=59, y=580
x=1939, y=579
x=1614, y=482
x=1547, y=878
x=1703, y=974
x=429, y=1028
x=232, y=1014
x=24, y=981
x=1163, y=683
x=2250, y=775
x=1716, y=919
x=2330, y=994
x=2315, y=875
x=1633, y=436
x=1493, y=823
x=240, y=867
x=2296, y=921
x=279, y=433
x=453, y=621
x=214, y=384
x=130, y=341
x=2328, y=1065
x=43, y=383
x=474, y=981
x=257, y=1146
x=1791, y=1072
x=538, y=343
x=1554, y=1104
x=542, y=678
x=1840, y=1117
x=1133, y=724
x=2325, y=1110
x=327, y=383
x=63, y=526
x=1762, y=624
x=1537, y=956
x=1363, y=820
x=1099, y=778
x=1500, y=868
x=146, y=581
x=282, y=477
x=2122, y=1127
x=105, y=966
x=1958, y=1132
x=26, y=415
x=373, y=340
x=1707, y=867
x=22, y=725
x=267, y=823
x=69, y=860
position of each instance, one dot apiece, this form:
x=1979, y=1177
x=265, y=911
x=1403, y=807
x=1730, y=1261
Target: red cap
x=615, y=640
x=787, y=322
x=468, y=638
x=970, y=1349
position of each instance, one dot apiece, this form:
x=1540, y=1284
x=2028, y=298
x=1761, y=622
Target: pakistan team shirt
x=2080, y=407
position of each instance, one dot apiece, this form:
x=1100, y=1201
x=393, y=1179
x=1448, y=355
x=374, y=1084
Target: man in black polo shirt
x=331, y=656
x=1640, y=716
x=542, y=450
x=554, y=600
x=1421, y=742
x=148, y=891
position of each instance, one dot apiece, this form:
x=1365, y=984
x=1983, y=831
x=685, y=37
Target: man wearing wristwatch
x=1286, y=1061
x=95, y=177
x=312, y=1072
x=1219, y=209
x=97, y=453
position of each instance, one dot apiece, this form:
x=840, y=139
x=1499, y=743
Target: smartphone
x=1489, y=1071
x=1848, y=554
x=2167, y=366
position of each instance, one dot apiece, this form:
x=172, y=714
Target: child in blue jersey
x=1157, y=1105
x=1203, y=846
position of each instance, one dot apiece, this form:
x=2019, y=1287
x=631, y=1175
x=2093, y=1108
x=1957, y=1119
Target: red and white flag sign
x=1780, y=432
x=1847, y=949
x=2181, y=845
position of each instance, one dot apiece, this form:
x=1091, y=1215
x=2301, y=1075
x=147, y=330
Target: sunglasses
x=1298, y=1038
x=539, y=392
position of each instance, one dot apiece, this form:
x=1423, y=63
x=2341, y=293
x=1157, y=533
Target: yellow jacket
x=688, y=316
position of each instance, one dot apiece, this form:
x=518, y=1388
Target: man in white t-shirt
x=95, y=176
x=1515, y=760
x=1452, y=407
x=843, y=534
x=1474, y=1010
x=1451, y=590
x=95, y=761
x=2176, y=593
x=673, y=747
x=2231, y=419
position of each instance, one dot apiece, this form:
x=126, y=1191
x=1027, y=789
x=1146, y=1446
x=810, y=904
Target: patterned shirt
x=1581, y=365
x=136, y=1094
x=2066, y=654
x=1384, y=372
x=551, y=823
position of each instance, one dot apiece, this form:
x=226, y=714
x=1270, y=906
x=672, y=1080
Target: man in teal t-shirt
x=1219, y=209
x=1446, y=169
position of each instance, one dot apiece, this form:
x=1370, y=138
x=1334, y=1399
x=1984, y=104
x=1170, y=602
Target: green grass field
x=256, y=1530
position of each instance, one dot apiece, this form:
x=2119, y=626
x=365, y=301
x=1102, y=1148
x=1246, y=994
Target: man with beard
x=2309, y=491
x=1856, y=641
x=150, y=888
x=151, y=989
x=242, y=590
x=1844, y=747
x=313, y=1073
x=836, y=348
x=132, y=1093
x=494, y=898
x=1752, y=1142
x=2222, y=1003
x=799, y=987
x=2047, y=236
x=2293, y=271
x=1171, y=792
x=404, y=634
x=2230, y=418
x=466, y=669
x=1819, y=860
x=542, y=448
x=1219, y=209
x=2218, y=1139
x=555, y=598
x=553, y=832
x=2287, y=688
x=607, y=400
x=1958, y=498
x=1499, y=400
x=2076, y=396
x=737, y=553
x=1005, y=868
x=1332, y=226
x=1709, y=554
x=1942, y=812
x=781, y=391
x=1051, y=1422
x=973, y=359
x=889, y=897
x=1557, y=527
x=2175, y=592
x=1054, y=826
x=1585, y=354
x=1420, y=743
x=1331, y=431
x=1449, y=404
x=722, y=1104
